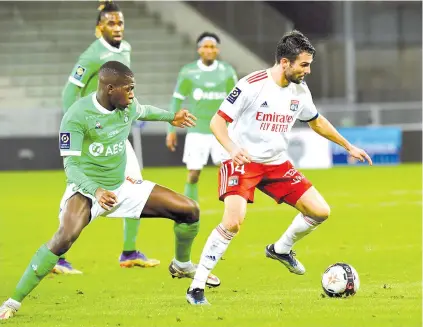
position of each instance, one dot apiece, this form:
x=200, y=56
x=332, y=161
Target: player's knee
x=191, y=212
x=193, y=179
x=233, y=218
x=233, y=221
x=233, y=226
x=193, y=176
x=322, y=212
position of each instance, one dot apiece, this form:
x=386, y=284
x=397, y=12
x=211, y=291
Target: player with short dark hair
x=83, y=80
x=204, y=83
x=260, y=111
x=92, y=140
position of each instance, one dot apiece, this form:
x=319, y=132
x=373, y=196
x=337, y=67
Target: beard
x=293, y=79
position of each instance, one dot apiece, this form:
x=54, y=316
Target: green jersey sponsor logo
x=96, y=149
x=199, y=94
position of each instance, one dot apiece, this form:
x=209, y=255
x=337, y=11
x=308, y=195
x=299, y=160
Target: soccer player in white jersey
x=260, y=111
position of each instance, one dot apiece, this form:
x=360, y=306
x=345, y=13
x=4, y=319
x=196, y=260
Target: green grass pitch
x=376, y=226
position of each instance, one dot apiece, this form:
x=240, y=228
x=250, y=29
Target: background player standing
x=205, y=82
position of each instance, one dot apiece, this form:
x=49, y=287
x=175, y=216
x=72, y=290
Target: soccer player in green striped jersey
x=204, y=83
x=92, y=141
x=83, y=80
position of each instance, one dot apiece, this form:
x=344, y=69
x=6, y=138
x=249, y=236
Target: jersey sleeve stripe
x=259, y=74
x=76, y=82
x=178, y=96
x=309, y=120
x=258, y=78
x=225, y=116
x=65, y=153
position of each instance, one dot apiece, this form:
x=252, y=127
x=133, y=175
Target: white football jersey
x=261, y=114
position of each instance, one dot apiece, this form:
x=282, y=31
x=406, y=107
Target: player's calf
x=62, y=241
x=313, y=211
x=74, y=218
x=219, y=239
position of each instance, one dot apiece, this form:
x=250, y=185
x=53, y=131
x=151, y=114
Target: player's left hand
x=360, y=154
x=183, y=118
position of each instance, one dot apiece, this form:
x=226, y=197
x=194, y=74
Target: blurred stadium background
x=366, y=79
x=367, y=71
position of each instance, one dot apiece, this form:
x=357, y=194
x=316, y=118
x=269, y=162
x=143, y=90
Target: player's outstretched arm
x=324, y=128
x=182, y=118
x=220, y=131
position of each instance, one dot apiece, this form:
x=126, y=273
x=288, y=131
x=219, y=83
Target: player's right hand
x=183, y=118
x=171, y=141
x=106, y=199
x=240, y=156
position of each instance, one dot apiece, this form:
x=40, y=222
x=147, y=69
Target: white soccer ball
x=340, y=280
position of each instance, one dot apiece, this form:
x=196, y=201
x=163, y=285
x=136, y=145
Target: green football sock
x=184, y=236
x=130, y=233
x=41, y=264
x=191, y=191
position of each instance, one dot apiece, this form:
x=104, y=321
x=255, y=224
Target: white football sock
x=216, y=245
x=300, y=227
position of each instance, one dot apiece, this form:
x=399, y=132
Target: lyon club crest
x=294, y=105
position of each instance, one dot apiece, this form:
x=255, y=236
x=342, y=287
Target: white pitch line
x=346, y=194
x=350, y=205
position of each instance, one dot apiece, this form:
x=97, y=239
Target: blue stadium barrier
x=383, y=144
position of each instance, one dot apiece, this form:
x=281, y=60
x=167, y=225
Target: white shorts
x=197, y=149
x=132, y=196
x=132, y=166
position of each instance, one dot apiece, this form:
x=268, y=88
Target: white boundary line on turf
x=350, y=205
x=348, y=194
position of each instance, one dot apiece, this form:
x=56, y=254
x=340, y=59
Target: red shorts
x=281, y=182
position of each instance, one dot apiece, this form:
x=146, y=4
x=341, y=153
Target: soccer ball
x=340, y=280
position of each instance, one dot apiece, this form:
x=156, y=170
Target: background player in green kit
x=92, y=140
x=206, y=83
x=82, y=81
